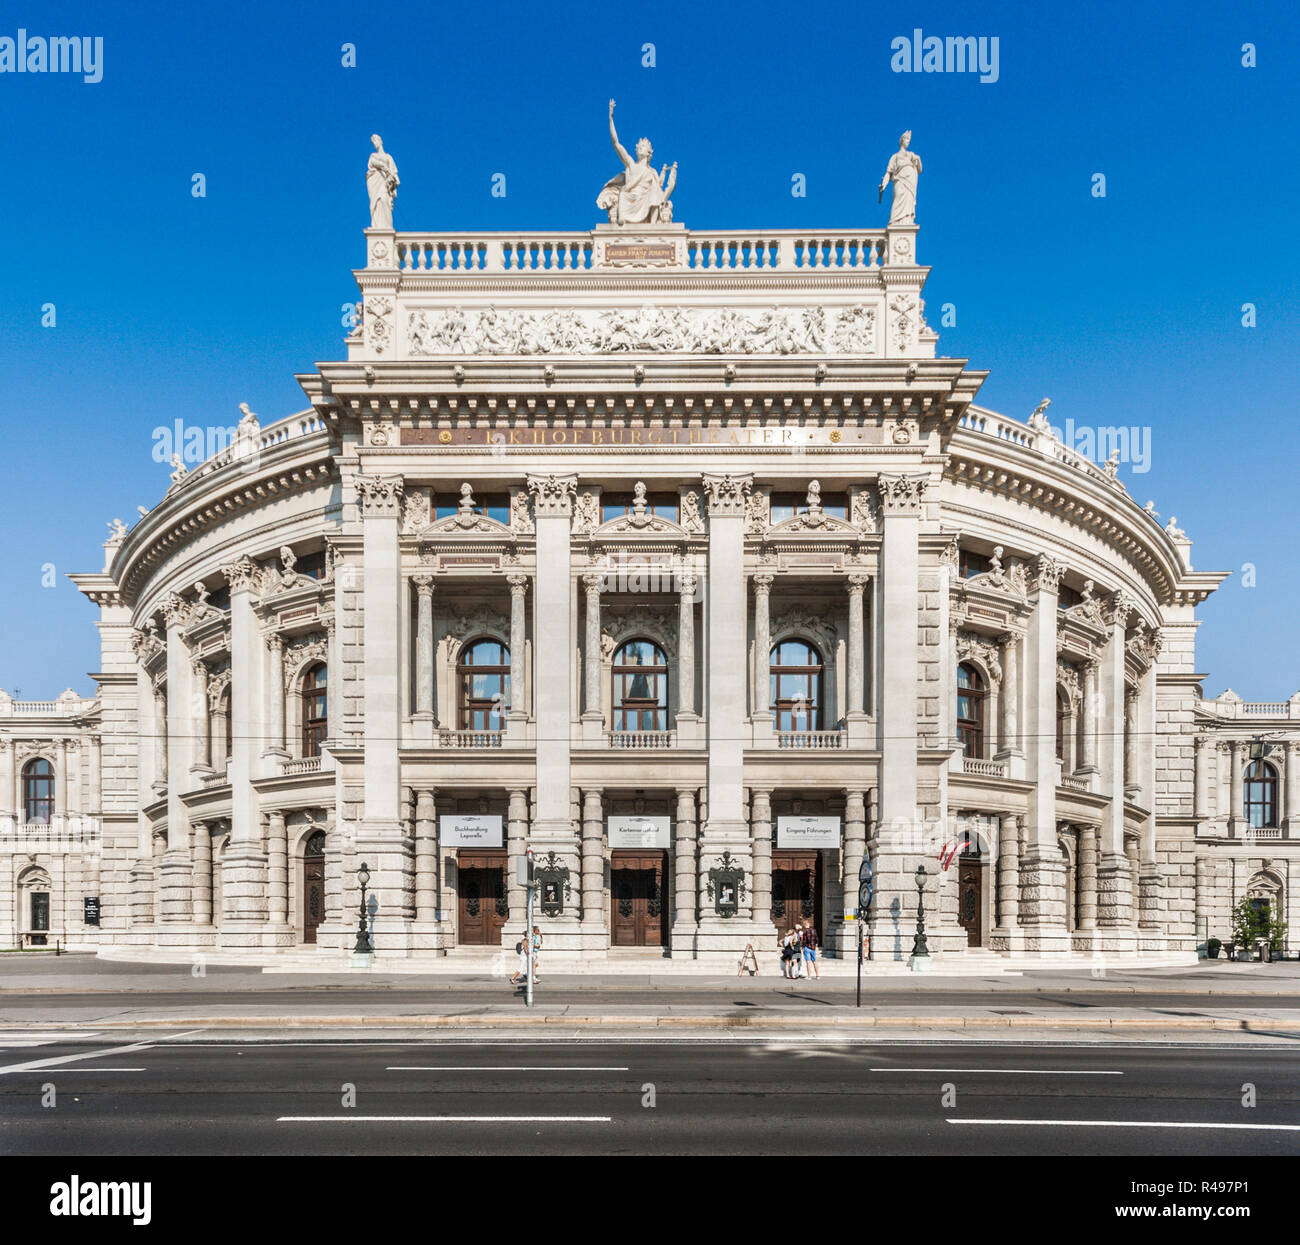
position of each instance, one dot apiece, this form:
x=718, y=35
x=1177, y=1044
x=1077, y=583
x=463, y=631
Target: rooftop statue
x=904, y=170
x=381, y=183
x=638, y=195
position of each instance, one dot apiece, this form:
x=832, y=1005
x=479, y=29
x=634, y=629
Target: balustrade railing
x=817, y=740
x=302, y=765
x=641, y=739
x=1073, y=782
x=983, y=769
x=470, y=739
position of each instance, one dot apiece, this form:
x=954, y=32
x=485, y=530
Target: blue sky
x=1124, y=310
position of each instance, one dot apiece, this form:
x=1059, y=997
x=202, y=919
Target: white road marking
x=443, y=1119
x=1009, y=1071
x=58, y=1060
x=96, y=1070
x=1290, y=1128
x=503, y=1068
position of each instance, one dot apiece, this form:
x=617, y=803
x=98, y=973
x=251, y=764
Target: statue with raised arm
x=381, y=183
x=638, y=195
x=904, y=170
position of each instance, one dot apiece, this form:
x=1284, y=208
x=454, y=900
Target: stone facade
x=691, y=530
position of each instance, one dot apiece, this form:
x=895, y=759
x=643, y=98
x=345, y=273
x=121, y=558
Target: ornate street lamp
x=364, y=946
x=919, y=948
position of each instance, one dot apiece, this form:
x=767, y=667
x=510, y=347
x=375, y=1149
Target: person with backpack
x=809, y=940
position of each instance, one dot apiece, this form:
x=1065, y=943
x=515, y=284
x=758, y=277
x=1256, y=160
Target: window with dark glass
x=1062, y=722
x=493, y=505
x=1260, y=793
x=219, y=598
x=970, y=563
x=483, y=677
x=311, y=564
x=787, y=505
x=971, y=693
x=614, y=505
x=1067, y=596
x=315, y=710
x=640, y=687
x=38, y=792
x=795, y=682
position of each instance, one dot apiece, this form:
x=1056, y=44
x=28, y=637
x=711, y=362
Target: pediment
x=813, y=523
x=639, y=525
x=464, y=525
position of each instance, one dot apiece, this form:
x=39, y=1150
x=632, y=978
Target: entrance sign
x=90, y=909
x=640, y=831
x=807, y=832
x=470, y=830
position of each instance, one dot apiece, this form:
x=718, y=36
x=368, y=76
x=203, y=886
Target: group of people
x=799, y=951
x=520, y=975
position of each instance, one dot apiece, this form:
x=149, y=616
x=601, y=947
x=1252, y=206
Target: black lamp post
x=919, y=948
x=363, y=946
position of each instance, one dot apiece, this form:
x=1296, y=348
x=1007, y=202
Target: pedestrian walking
x=810, y=948
x=521, y=973
x=787, y=954
x=537, y=952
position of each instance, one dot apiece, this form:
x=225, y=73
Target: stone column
x=760, y=824
x=1010, y=698
x=684, y=895
x=855, y=716
x=141, y=879
x=201, y=882
x=1133, y=853
x=275, y=697
x=1008, y=878
x=381, y=842
x=898, y=832
x=1202, y=908
x=593, y=869
x=8, y=784
x=687, y=718
x=1088, y=856
x=1116, y=881
x=762, y=714
x=1202, y=778
x=726, y=828
x=277, y=870
x=202, y=719
x=553, y=828
x=60, y=817
x=517, y=716
x=426, y=859
x=1131, y=776
x=1091, y=670
x=1291, y=792
x=855, y=849
x=593, y=715
x=516, y=849
x=1237, y=800
x=243, y=870
x=424, y=650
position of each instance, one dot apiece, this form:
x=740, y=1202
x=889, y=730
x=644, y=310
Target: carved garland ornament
x=984, y=651
x=553, y=494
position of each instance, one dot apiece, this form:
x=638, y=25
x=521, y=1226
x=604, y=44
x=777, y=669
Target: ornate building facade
x=682, y=560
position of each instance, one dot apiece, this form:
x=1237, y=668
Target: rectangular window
x=614, y=505
x=787, y=505
x=970, y=564
x=493, y=505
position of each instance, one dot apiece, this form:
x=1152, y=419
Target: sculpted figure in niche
x=638, y=195
x=904, y=170
x=381, y=184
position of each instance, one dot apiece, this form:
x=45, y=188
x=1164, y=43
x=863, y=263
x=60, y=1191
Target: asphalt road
x=647, y=1097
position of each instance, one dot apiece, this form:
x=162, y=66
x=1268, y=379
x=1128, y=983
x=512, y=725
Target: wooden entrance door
x=797, y=890
x=481, y=897
x=970, y=899
x=313, y=885
x=638, y=899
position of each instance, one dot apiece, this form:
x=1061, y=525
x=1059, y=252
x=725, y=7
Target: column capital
x=275, y=641
x=518, y=584
x=857, y=582
x=1120, y=608
x=243, y=575
x=198, y=667
x=902, y=494
x=380, y=497
x=176, y=611
x=553, y=494
x=1046, y=573
x=727, y=494
x=762, y=583
x=423, y=584
x=687, y=582
x=593, y=581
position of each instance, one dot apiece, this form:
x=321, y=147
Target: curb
x=1112, y=1023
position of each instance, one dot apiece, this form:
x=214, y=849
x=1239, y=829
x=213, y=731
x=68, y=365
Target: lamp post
x=364, y=945
x=920, y=950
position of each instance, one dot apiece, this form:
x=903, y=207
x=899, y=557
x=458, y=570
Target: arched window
x=971, y=693
x=1261, y=795
x=483, y=680
x=795, y=683
x=640, y=687
x=315, y=710
x=1062, y=721
x=38, y=792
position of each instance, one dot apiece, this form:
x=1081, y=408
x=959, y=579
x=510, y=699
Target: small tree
x=1253, y=919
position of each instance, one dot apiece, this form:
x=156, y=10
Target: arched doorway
x=313, y=885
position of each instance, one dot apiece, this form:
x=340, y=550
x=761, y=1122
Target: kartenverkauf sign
x=639, y=831
x=804, y=831
x=470, y=830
